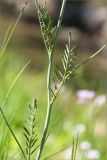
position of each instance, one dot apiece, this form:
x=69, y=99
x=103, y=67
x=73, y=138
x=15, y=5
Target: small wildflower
x=85, y=145
x=92, y=154
x=100, y=100
x=85, y=95
x=79, y=129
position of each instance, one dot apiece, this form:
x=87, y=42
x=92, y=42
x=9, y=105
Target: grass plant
x=34, y=145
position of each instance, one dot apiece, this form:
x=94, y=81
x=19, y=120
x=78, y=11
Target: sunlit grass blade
x=14, y=81
x=1, y=110
x=91, y=57
x=6, y=36
x=16, y=156
x=10, y=32
x=56, y=153
x=8, y=125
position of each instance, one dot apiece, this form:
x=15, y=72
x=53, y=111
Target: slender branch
x=49, y=104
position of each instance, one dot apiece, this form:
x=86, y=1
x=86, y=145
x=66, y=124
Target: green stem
x=59, y=25
x=48, y=115
x=49, y=105
x=12, y=132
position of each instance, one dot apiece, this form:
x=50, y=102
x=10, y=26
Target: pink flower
x=85, y=145
x=85, y=95
x=79, y=129
x=93, y=154
x=100, y=100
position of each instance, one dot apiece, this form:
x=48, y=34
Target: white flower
x=100, y=100
x=92, y=154
x=79, y=129
x=85, y=145
x=85, y=95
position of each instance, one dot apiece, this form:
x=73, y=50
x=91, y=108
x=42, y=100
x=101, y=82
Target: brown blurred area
x=86, y=19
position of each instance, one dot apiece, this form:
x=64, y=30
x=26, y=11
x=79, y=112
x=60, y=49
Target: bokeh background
x=82, y=104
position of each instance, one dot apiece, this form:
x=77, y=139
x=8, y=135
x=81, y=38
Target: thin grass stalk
x=49, y=73
x=91, y=57
x=54, y=154
x=16, y=156
x=6, y=36
x=74, y=148
x=14, y=81
x=11, y=31
x=58, y=26
x=12, y=132
x=1, y=110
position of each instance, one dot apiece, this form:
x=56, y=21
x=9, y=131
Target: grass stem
x=49, y=104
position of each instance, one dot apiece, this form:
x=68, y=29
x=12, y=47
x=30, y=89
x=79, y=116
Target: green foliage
x=4, y=142
x=46, y=25
x=68, y=67
x=7, y=38
x=69, y=60
x=30, y=132
x=51, y=52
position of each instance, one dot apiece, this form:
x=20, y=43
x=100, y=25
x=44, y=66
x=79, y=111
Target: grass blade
x=10, y=32
x=1, y=110
x=14, y=81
